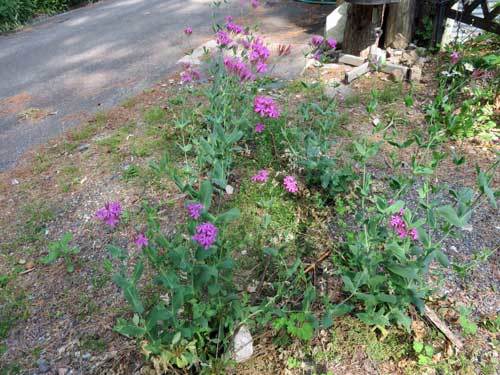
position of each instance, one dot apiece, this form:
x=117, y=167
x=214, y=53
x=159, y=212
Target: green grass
x=391, y=93
x=352, y=100
x=13, y=305
x=155, y=116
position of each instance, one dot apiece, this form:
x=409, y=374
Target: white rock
x=335, y=23
x=242, y=345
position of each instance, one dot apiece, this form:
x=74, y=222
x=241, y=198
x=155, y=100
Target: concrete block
x=335, y=23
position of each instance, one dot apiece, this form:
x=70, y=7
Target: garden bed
x=63, y=321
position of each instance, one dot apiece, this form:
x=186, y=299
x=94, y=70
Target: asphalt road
x=87, y=60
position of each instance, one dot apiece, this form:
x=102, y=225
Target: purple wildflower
x=399, y=226
x=245, y=43
x=110, y=213
x=255, y=3
x=223, y=39
x=195, y=209
x=236, y=66
x=454, y=57
x=188, y=30
x=317, y=55
x=206, y=235
x=234, y=28
x=331, y=43
x=265, y=106
x=141, y=241
x=290, y=184
x=261, y=176
x=261, y=67
x=189, y=74
x=317, y=40
x=259, y=128
x=258, y=51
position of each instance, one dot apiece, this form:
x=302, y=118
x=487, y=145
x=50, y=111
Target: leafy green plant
x=465, y=269
x=62, y=249
x=424, y=353
x=468, y=326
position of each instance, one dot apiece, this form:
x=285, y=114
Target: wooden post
x=400, y=20
x=362, y=20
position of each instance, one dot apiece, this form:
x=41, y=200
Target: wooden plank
x=469, y=19
x=400, y=19
x=357, y=72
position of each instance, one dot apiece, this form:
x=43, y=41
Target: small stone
x=83, y=147
x=412, y=46
x=229, y=189
x=62, y=371
x=409, y=57
x=21, y=261
x=399, y=42
x=43, y=366
x=14, y=181
x=242, y=345
x=415, y=73
x=397, y=76
x=467, y=228
x=86, y=356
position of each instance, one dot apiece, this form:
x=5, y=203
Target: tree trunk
x=400, y=19
x=362, y=20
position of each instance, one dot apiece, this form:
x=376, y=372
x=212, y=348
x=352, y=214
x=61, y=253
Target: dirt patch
x=14, y=104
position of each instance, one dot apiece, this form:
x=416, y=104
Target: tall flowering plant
x=194, y=299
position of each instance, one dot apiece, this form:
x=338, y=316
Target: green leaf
x=270, y=251
x=418, y=346
x=138, y=269
x=130, y=293
x=450, y=215
x=117, y=252
x=206, y=190
x=130, y=330
x=335, y=312
x=442, y=258
x=228, y=216
x=483, y=181
x=348, y=285
x=406, y=272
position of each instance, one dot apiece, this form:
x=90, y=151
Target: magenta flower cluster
x=223, y=38
x=290, y=184
x=454, y=57
x=110, y=213
x=255, y=3
x=195, y=210
x=265, y=107
x=206, y=235
x=259, y=54
x=259, y=128
x=261, y=176
x=141, y=241
x=189, y=74
x=317, y=40
x=233, y=27
x=236, y=66
x=188, y=30
x=398, y=224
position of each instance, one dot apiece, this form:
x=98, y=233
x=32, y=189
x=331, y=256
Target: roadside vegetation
x=158, y=231
x=15, y=13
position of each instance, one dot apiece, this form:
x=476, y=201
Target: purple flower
x=206, y=235
x=398, y=224
x=236, y=66
x=234, y=28
x=317, y=40
x=317, y=55
x=195, y=209
x=258, y=51
x=188, y=30
x=331, y=43
x=261, y=67
x=255, y=3
x=261, y=176
x=141, y=241
x=265, y=106
x=259, y=128
x=245, y=43
x=454, y=57
x=110, y=213
x=223, y=38
x=189, y=74
x=290, y=184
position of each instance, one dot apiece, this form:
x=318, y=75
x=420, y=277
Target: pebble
x=86, y=356
x=83, y=147
x=43, y=366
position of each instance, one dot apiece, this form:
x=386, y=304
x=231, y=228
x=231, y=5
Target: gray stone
x=43, y=366
x=409, y=57
x=83, y=147
x=415, y=73
x=351, y=60
x=242, y=345
x=335, y=23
